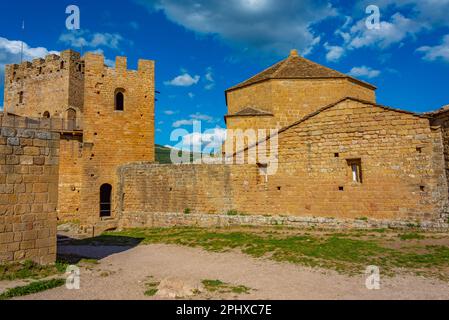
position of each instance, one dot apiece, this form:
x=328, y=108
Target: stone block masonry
x=398, y=155
x=28, y=190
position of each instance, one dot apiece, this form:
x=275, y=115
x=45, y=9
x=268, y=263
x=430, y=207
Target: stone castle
x=76, y=94
x=78, y=142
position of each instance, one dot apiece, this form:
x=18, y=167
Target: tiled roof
x=250, y=112
x=296, y=67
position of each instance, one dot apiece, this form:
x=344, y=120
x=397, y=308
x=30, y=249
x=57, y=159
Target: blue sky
x=202, y=47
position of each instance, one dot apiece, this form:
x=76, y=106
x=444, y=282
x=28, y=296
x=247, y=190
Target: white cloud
x=334, y=53
x=209, y=79
x=217, y=135
x=389, y=33
x=209, y=76
x=433, y=12
x=210, y=140
x=191, y=95
x=86, y=39
x=273, y=26
x=184, y=80
x=364, y=72
x=192, y=118
x=202, y=117
x=10, y=53
x=184, y=122
x=436, y=52
x=170, y=112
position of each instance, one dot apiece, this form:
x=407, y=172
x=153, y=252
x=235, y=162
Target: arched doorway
x=105, y=200
x=46, y=115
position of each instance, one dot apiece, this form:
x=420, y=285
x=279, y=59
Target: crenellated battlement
x=96, y=63
x=52, y=64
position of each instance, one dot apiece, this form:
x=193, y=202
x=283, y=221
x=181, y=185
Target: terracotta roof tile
x=295, y=67
x=250, y=112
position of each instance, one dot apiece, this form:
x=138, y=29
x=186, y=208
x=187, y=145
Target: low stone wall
x=153, y=195
x=28, y=190
x=159, y=220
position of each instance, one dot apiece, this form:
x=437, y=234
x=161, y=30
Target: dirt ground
x=122, y=273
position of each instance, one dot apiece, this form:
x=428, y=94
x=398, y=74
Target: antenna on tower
x=21, y=49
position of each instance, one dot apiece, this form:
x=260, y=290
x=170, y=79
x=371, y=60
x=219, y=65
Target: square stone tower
x=45, y=87
x=106, y=116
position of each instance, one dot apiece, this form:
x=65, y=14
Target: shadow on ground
x=72, y=250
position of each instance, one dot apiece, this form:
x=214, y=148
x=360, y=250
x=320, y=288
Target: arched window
x=105, y=200
x=46, y=115
x=120, y=100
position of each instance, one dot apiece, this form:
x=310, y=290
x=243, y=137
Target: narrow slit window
x=355, y=166
x=21, y=97
x=119, y=101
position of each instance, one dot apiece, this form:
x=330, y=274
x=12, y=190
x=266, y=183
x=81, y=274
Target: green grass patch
x=411, y=236
x=31, y=288
x=30, y=270
x=348, y=252
x=222, y=287
x=88, y=261
x=151, y=289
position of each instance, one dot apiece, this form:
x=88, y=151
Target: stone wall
x=176, y=188
x=169, y=219
x=111, y=138
x=70, y=177
x=290, y=100
x=28, y=190
x=52, y=85
x=441, y=120
x=402, y=165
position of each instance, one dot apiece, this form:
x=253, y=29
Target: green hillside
x=163, y=154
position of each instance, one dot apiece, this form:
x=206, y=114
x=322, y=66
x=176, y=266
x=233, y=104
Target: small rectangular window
x=263, y=172
x=355, y=166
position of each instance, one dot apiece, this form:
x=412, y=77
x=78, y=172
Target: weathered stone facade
x=28, y=190
x=341, y=157
x=78, y=95
x=289, y=91
x=401, y=157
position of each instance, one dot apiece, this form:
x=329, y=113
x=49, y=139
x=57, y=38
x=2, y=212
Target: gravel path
x=122, y=275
